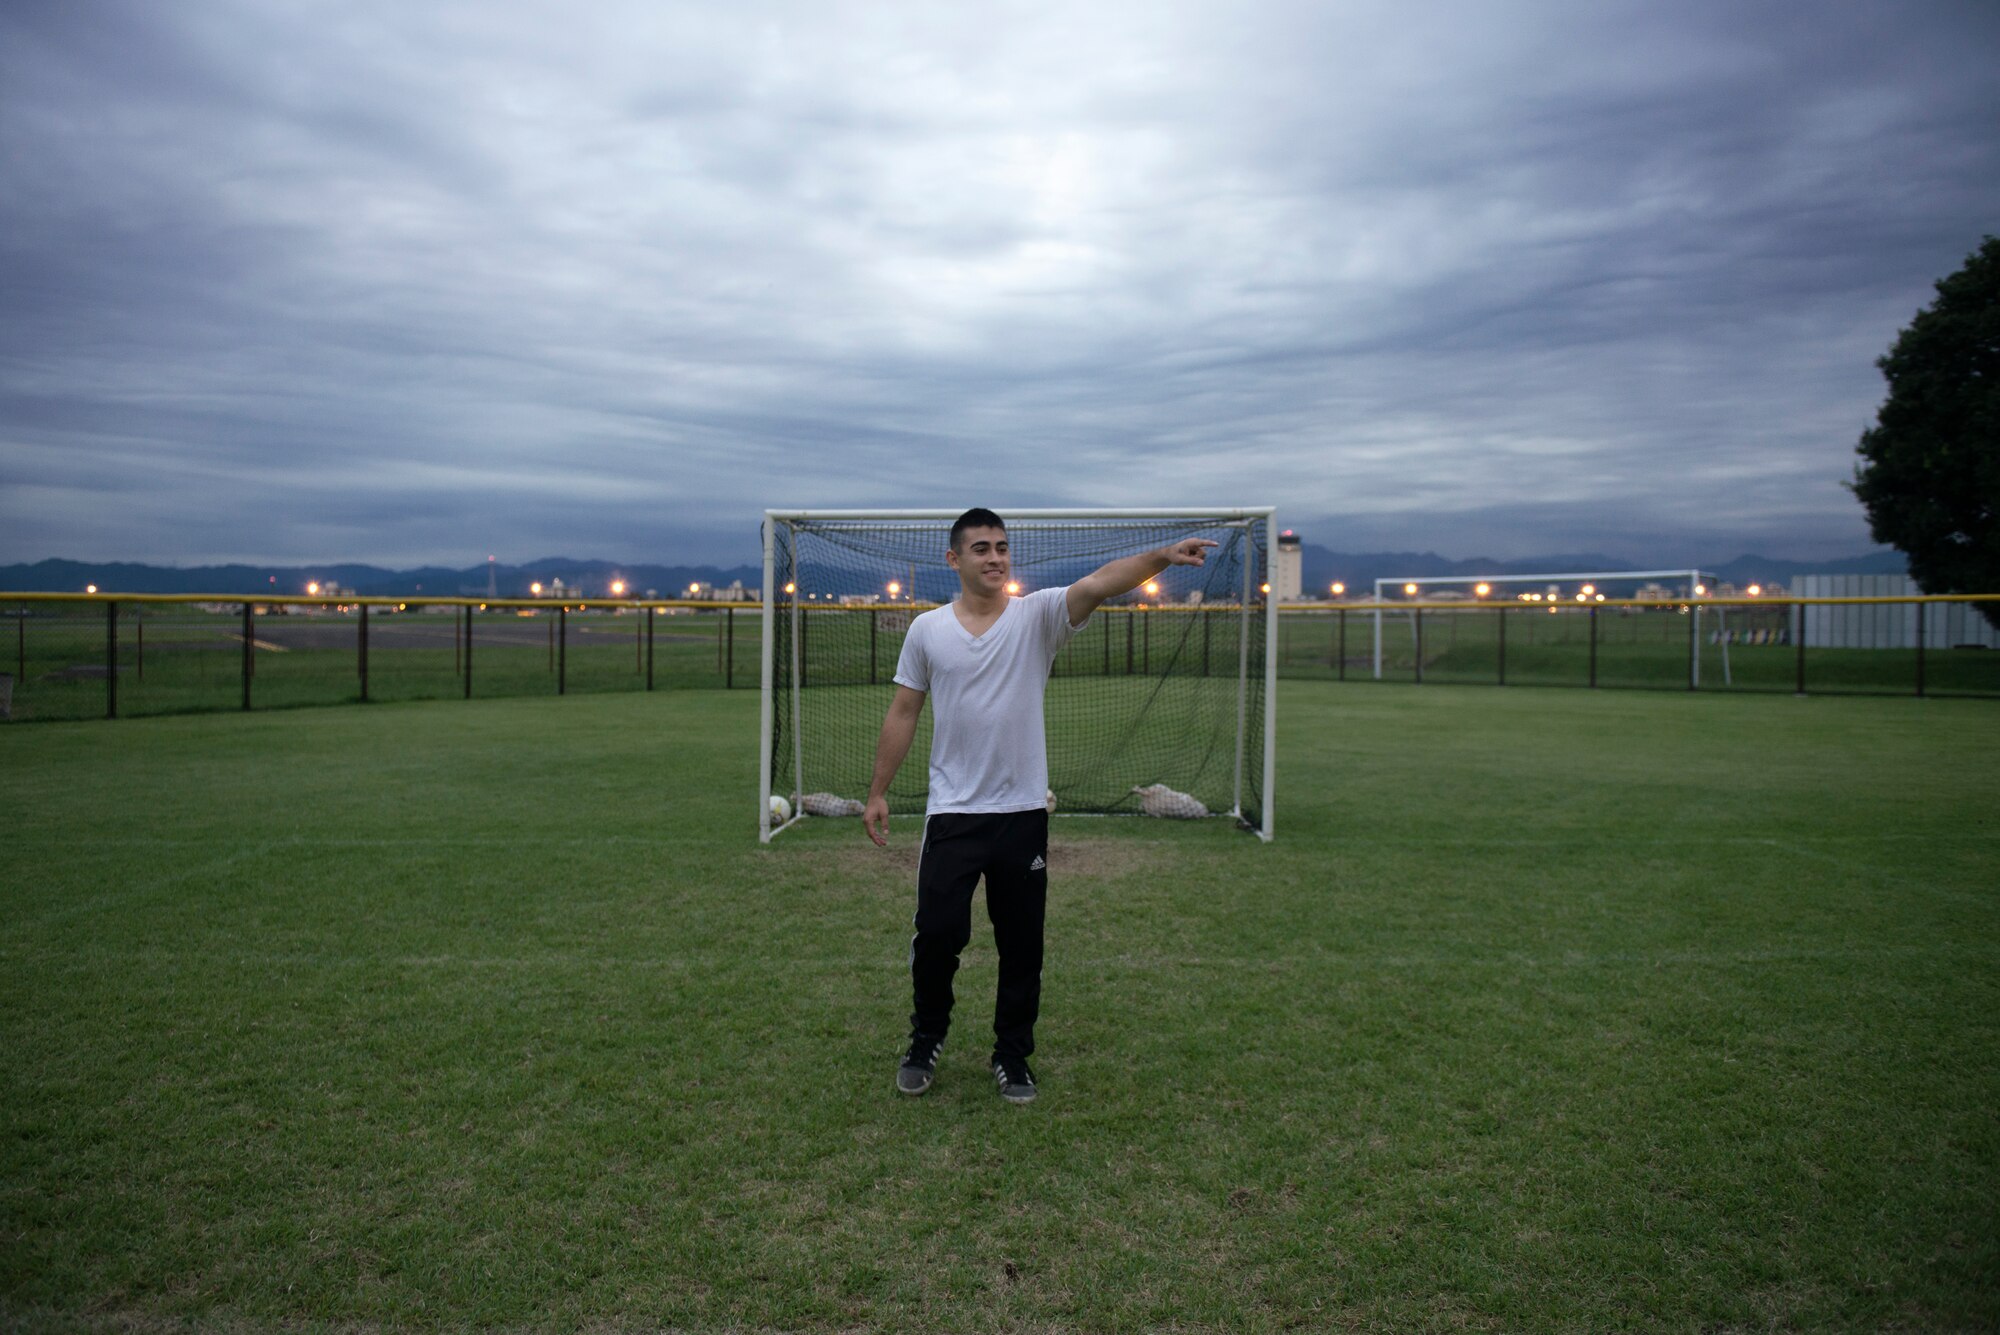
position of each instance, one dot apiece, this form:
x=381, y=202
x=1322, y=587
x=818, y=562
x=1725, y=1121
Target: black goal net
x=1166, y=685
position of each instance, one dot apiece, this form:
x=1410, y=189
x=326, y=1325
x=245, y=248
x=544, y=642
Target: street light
x=1013, y=587
x=1338, y=588
x=536, y=588
x=1409, y=590
x=1481, y=590
x=617, y=588
x=895, y=588
x=1152, y=588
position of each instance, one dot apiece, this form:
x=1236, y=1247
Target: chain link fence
x=106, y=657
x=131, y=656
x=1874, y=646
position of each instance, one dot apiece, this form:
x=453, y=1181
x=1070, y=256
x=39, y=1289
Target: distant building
x=1884, y=625
x=1288, y=580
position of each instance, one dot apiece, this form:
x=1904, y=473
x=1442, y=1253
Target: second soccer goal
x=1170, y=686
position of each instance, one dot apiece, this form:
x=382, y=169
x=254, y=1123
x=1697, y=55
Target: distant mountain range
x=592, y=578
x=1360, y=570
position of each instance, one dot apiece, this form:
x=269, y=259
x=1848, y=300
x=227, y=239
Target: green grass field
x=1548, y=1010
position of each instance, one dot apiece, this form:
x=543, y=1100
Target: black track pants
x=1010, y=849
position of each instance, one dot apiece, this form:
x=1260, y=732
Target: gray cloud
x=367, y=282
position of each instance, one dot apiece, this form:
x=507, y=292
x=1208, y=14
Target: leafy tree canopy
x=1929, y=475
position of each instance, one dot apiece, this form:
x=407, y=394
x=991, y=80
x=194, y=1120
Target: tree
x=1929, y=475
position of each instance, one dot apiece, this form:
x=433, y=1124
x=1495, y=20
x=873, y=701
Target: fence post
x=364, y=653
x=1800, y=636
x=21, y=645
x=1593, y=648
x=1503, y=647
x=1920, y=649
x=111, y=659
x=249, y=631
x=457, y=663
x=1207, y=620
x=562, y=653
x=1128, y=641
x=1147, y=637
x=468, y=651
x=1694, y=645
x=873, y=621
x=1417, y=625
x=649, y=646
x=729, y=672
x=1341, y=617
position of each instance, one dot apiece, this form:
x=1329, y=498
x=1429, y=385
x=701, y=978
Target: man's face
x=981, y=560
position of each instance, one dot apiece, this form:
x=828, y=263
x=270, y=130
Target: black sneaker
x=919, y=1064
x=1016, y=1081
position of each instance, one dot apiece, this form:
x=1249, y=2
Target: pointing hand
x=1189, y=552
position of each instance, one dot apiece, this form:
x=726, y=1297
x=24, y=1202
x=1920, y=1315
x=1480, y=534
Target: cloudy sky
x=409, y=282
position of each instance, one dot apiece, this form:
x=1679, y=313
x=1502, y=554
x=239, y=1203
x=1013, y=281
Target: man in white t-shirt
x=984, y=661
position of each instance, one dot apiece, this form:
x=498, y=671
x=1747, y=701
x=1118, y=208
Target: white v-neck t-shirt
x=988, y=750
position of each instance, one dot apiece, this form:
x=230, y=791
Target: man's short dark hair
x=976, y=517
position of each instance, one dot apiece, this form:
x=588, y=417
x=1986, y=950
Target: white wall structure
x=1884, y=625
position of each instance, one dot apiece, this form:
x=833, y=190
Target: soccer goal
x=1172, y=684
x=1558, y=590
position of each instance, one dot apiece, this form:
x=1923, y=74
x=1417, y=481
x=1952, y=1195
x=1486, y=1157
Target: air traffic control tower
x=1287, y=581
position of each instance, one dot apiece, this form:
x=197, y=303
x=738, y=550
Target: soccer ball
x=781, y=810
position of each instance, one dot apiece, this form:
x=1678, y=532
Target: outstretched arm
x=1129, y=572
x=899, y=729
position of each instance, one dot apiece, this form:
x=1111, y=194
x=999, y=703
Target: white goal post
x=1412, y=587
x=1174, y=684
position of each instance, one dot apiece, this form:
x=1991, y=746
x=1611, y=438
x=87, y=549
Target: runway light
x=1481, y=590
